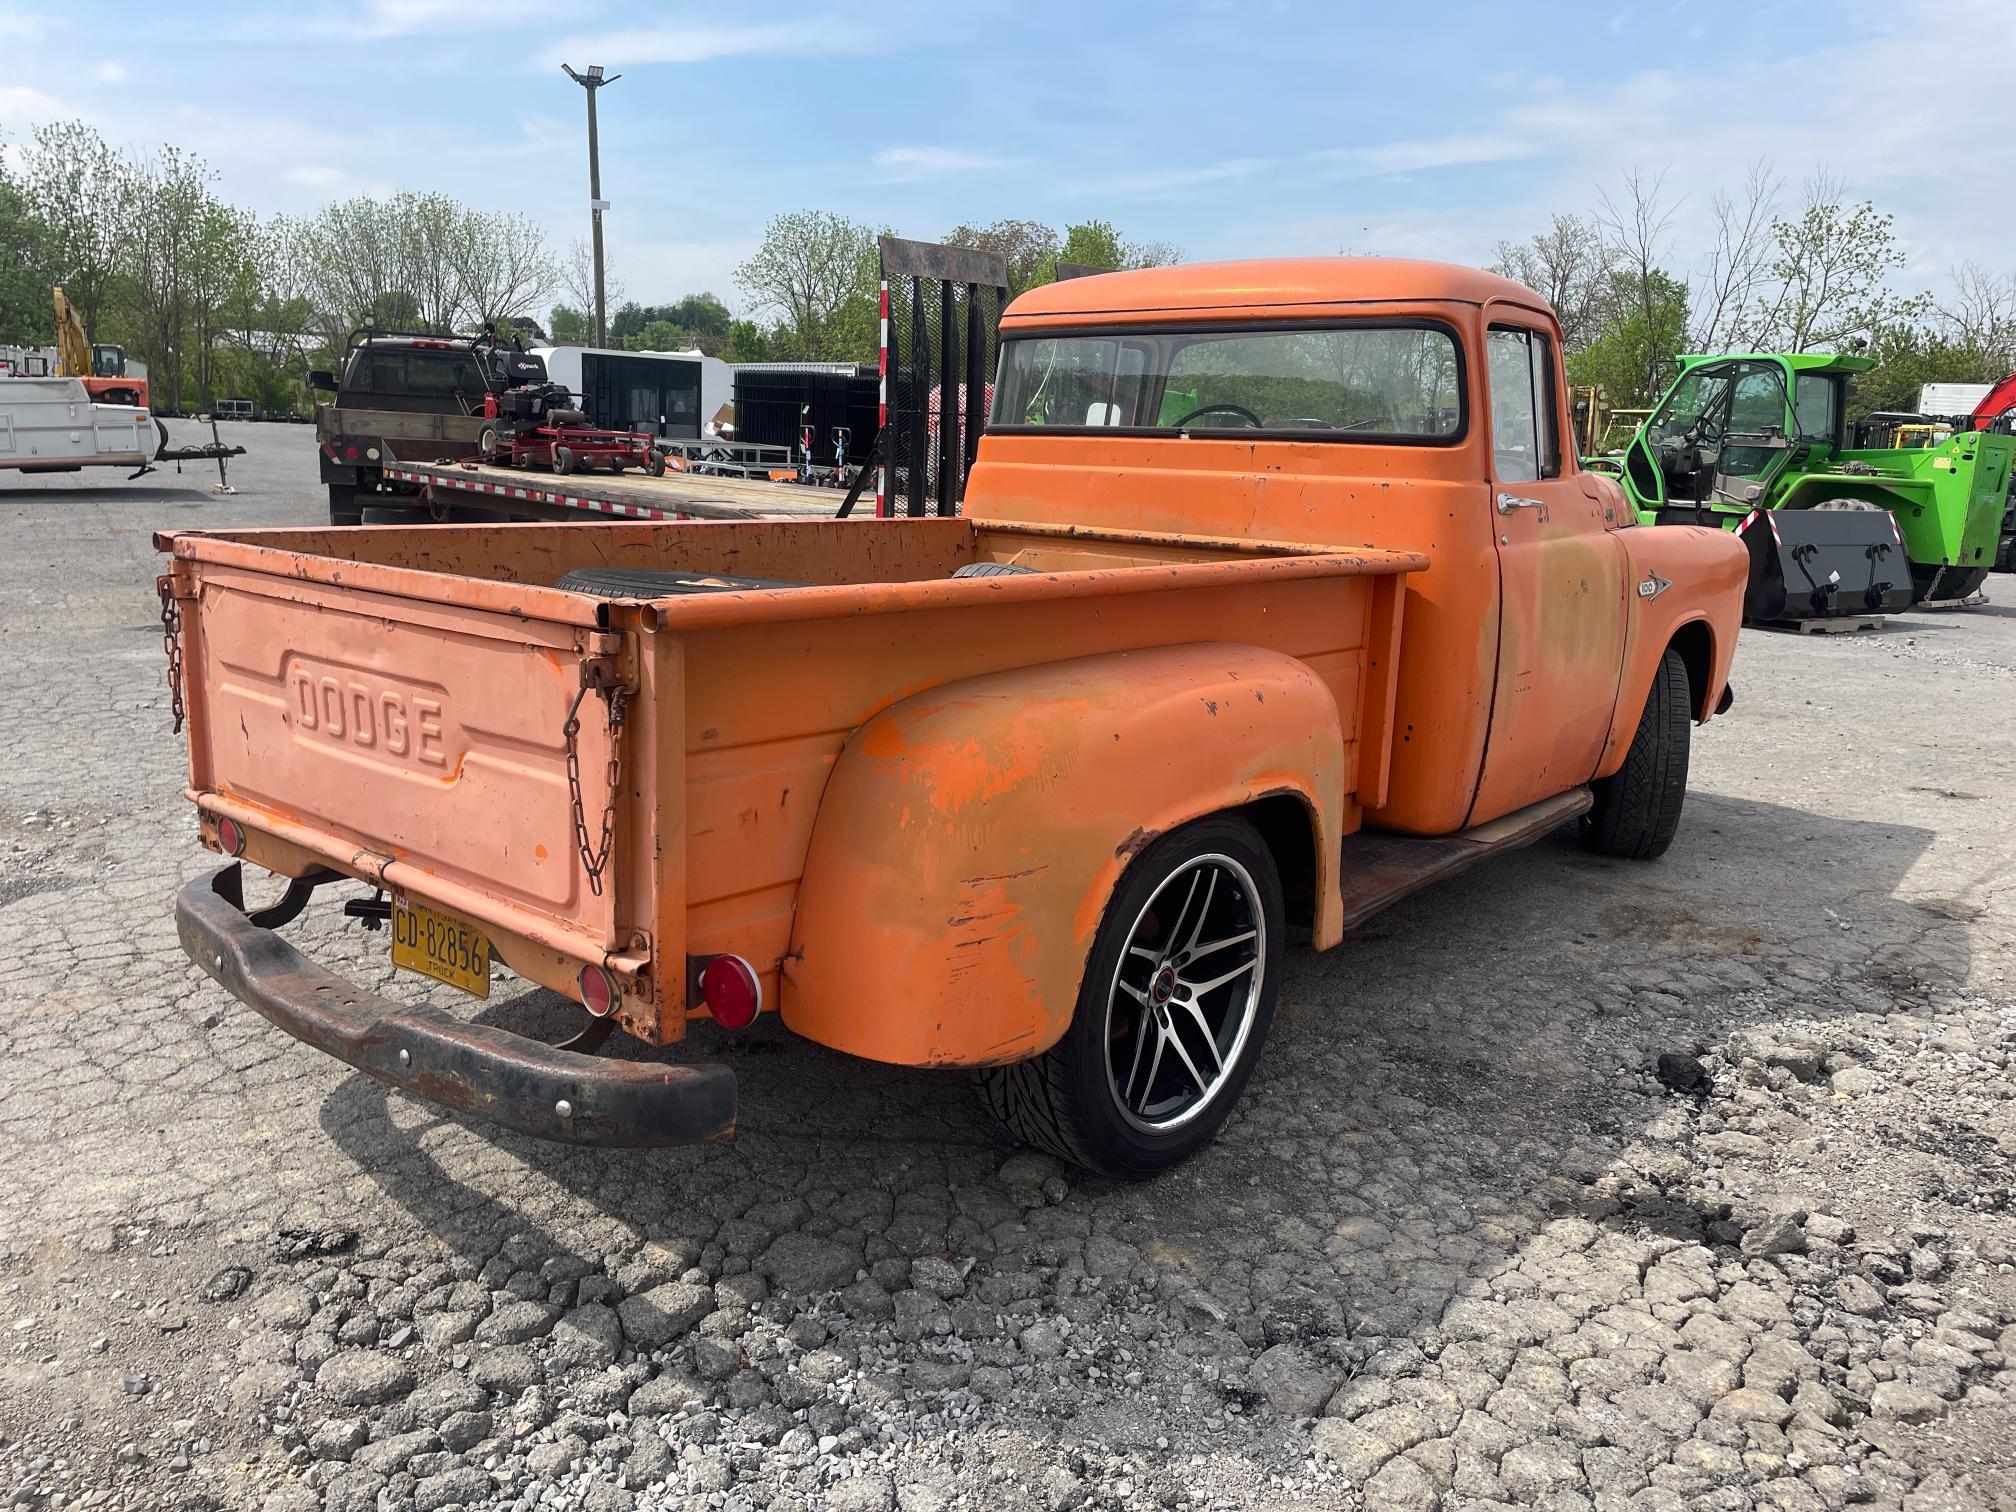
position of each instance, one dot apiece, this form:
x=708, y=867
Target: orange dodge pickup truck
x=1278, y=595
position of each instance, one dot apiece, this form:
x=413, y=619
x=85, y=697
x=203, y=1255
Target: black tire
x=1065, y=1100
x=489, y=443
x=343, y=506
x=1950, y=583
x=1638, y=807
x=654, y=462
x=991, y=569
x=564, y=460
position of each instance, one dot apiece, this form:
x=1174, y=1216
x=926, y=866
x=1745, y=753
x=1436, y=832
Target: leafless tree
x=576, y=279
x=1980, y=314
x=1571, y=262
x=1739, y=262
x=1638, y=221
x=504, y=268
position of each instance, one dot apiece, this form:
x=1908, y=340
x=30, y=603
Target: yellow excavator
x=108, y=377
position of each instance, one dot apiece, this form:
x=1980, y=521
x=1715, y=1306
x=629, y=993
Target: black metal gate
x=941, y=318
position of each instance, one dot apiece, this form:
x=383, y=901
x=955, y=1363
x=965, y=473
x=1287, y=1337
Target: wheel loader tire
x=1082, y=1100
x=343, y=506
x=991, y=569
x=1637, y=807
x=1959, y=583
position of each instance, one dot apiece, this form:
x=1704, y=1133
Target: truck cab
x=392, y=387
x=1359, y=401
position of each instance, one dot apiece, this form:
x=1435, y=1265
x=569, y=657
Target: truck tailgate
x=419, y=743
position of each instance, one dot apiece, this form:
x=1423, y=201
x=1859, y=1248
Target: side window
x=1523, y=410
x=1757, y=404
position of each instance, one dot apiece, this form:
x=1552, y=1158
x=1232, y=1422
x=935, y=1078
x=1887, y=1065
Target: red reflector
x=598, y=991
x=231, y=837
x=732, y=991
x=350, y=452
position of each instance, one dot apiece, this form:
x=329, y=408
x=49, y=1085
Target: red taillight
x=350, y=452
x=231, y=837
x=732, y=991
x=599, y=994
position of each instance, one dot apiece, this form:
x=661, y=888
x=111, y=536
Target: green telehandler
x=1756, y=443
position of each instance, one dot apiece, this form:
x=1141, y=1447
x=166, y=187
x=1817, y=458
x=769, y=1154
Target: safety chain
x=171, y=642
x=595, y=856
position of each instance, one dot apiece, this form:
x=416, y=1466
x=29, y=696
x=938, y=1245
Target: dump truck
x=1756, y=443
x=1036, y=793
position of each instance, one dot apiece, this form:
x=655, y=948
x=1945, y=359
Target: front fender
x=970, y=837
x=1704, y=573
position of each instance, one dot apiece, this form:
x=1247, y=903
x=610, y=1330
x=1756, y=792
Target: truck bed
x=390, y=703
x=632, y=496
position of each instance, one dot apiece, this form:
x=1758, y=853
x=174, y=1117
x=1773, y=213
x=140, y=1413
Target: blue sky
x=1228, y=127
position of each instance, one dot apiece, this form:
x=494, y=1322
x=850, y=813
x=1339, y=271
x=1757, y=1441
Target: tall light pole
x=592, y=81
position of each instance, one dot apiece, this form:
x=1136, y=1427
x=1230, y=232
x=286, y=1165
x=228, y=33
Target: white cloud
x=1170, y=183
x=405, y=18
x=1417, y=157
x=109, y=72
x=908, y=165
x=19, y=26
x=314, y=176
x=21, y=104
x=701, y=42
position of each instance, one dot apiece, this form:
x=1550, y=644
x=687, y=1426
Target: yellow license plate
x=440, y=946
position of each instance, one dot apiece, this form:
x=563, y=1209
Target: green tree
x=817, y=273
x=748, y=342
x=569, y=326
x=1097, y=244
x=83, y=195
x=1829, y=276
x=1909, y=356
x=1642, y=328
x=25, y=274
x=1028, y=247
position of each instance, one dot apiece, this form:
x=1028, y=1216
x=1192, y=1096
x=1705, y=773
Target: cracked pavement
x=1466, y=1243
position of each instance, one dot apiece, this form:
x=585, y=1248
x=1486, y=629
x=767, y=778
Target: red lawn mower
x=529, y=421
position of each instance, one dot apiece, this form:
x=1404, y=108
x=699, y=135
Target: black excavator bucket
x=1809, y=564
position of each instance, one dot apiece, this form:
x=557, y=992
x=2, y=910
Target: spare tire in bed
x=991, y=569
x=659, y=582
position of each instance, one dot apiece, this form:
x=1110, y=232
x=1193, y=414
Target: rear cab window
x=1362, y=381
x=415, y=372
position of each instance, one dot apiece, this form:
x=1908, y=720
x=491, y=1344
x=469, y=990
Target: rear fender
x=1684, y=586
x=970, y=837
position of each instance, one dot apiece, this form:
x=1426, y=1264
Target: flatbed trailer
x=437, y=486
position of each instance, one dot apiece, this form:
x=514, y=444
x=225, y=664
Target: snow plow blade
x=1812, y=564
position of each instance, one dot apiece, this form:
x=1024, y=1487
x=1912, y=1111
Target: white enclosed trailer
x=51, y=425
x=667, y=394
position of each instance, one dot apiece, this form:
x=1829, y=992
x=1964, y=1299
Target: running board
x=1380, y=869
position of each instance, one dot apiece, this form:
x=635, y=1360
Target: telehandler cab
x=1756, y=443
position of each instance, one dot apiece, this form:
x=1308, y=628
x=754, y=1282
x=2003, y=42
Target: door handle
x=1509, y=502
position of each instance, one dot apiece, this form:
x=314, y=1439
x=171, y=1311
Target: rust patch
x=1136, y=842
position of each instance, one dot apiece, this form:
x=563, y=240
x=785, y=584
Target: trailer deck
x=549, y=496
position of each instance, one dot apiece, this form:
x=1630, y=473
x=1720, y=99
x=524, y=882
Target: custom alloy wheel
x=1185, y=994
x=1172, y=1010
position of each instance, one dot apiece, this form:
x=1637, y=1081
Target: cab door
x=1562, y=600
